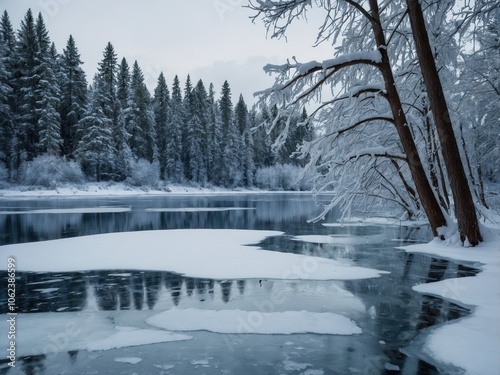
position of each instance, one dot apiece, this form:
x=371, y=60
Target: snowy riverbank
x=473, y=342
x=121, y=189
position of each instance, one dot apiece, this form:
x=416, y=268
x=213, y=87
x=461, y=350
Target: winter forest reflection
x=22, y=223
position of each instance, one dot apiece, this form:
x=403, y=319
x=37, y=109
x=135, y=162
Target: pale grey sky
x=210, y=39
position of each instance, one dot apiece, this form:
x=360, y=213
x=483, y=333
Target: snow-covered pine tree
x=247, y=158
x=174, y=166
x=27, y=78
x=197, y=134
x=241, y=117
x=73, y=95
x=231, y=141
x=95, y=149
x=214, y=136
x=6, y=131
x=47, y=93
x=123, y=83
x=140, y=118
x=161, y=107
x=264, y=156
x=188, y=104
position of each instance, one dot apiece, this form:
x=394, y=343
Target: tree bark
x=465, y=210
x=424, y=189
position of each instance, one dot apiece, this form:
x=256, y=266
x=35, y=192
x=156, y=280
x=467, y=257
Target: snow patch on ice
x=199, y=209
x=131, y=360
x=295, y=366
x=134, y=337
x=81, y=210
x=253, y=322
x=340, y=239
x=203, y=253
x=361, y=221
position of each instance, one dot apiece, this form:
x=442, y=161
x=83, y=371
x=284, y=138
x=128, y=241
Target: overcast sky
x=210, y=39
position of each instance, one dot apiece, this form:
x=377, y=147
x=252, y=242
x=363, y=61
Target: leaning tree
x=363, y=102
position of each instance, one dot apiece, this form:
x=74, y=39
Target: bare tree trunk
x=465, y=210
x=424, y=189
x=431, y=161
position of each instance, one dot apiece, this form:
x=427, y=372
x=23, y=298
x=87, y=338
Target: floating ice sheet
x=253, y=322
x=203, y=253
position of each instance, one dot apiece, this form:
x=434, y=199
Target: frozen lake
x=148, y=320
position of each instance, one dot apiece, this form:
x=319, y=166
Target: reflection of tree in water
x=138, y=289
x=201, y=289
x=153, y=285
x=106, y=291
x=46, y=292
x=225, y=287
x=174, y=283
x=241, y=286
x=72, y=356
x=112, y=290
x=190, y=286
x=33, y=365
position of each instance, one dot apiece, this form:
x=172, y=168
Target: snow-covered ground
x=119, y=189
x=473, y=342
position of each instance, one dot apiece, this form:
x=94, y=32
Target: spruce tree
x=48, y=102
x=174, y=167
x=161, y=107
x=123, y=83
x=95, y=149
x=140, y=119
x=6, y=129
x=231, y=141
x=73, y=95
x=197, y=134
x=27, y=78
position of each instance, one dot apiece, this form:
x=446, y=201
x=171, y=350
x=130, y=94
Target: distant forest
x=52, y=121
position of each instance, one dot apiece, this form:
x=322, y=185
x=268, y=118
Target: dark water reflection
x=388, y=311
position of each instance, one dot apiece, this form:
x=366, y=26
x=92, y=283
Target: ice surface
x=131, y=360
x=295, y=366
x=256, y=322
x=199, y=209
x=134, y=337
x=203, y=253
x=390, y=367
x=472, y=343
x=49, y=333
x=341, y=239
x=82, y=210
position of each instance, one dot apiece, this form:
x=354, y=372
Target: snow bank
x=472, y=343
x=384, y=221
x=120, y=189
x=203, y=253
x=240, y=322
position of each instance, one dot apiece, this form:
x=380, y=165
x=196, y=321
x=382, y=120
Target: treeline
x=115, y=126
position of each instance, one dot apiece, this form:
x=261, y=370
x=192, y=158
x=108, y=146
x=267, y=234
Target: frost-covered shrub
x=280, y=177
x=144, y=173
x=50, y=171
